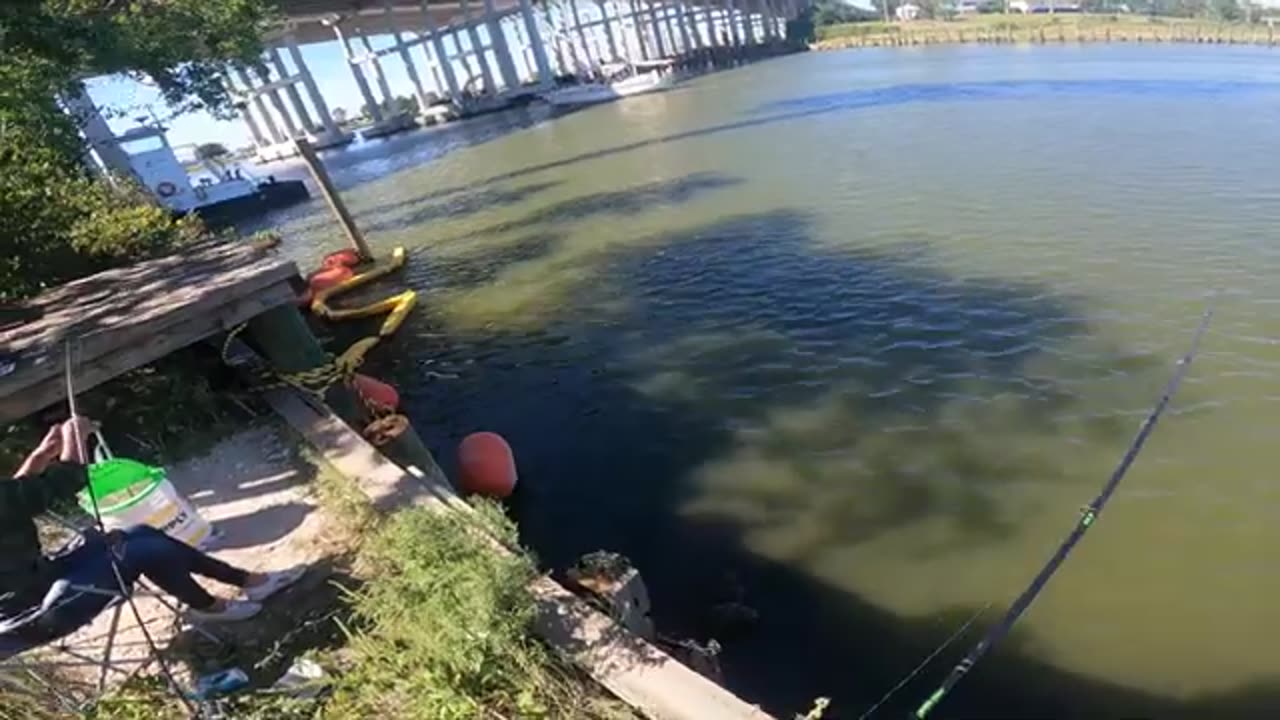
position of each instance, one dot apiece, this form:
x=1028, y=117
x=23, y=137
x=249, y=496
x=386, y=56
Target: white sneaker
x=233, y=611
x=275, y=582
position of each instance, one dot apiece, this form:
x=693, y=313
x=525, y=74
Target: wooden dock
x=122, y=319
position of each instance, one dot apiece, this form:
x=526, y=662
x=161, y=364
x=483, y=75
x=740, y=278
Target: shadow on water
x=419, y=209
x=697, y=366
x=473, y=268
x=897, y=95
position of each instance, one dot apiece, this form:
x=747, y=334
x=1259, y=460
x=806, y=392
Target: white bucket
x=156, y=503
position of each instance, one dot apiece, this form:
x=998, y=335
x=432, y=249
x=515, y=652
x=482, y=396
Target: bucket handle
x=101, y=451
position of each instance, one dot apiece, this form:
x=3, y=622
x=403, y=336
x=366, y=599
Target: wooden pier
x=122, y=319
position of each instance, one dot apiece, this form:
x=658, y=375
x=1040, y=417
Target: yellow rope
x=316, y=382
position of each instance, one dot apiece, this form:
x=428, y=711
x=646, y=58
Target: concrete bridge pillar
x=744, y=16
x=731, y=23
x=526, y=51
x=477, y=48
x=770, y=22
x=608, y=29
x=371, y=60
x=498, y=40
x=291, y=90
x=362, y=84
x=549, y=24
x=545, y=78
x=327, y=124
x=441, y=57
x=581, y=34
x=273, y=95
x=688, y=28
x=259, y=140
x=709, y=12
x=273, y=131
x=632, y=23
x=402, y=49
x=659, y=47
x=668, y=26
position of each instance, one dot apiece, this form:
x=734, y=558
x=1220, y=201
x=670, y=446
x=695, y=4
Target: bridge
x=463, y=57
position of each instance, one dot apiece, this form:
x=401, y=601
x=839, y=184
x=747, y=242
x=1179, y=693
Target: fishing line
x=936, y=652
x=1087, y=517
x=125, y=591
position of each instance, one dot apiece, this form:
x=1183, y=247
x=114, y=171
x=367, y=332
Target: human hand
x=48, y=449
x=51, y=445
x=75, y=432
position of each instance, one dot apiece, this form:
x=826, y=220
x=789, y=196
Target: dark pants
x=139, y=551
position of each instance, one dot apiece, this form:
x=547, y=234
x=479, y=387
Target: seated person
x=55, y=471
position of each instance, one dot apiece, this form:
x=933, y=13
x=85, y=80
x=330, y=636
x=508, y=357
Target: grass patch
x=447, y=631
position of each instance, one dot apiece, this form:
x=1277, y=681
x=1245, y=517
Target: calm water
x=850, y=337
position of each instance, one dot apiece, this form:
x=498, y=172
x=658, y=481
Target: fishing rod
x=124, y=588
x=1087, y=517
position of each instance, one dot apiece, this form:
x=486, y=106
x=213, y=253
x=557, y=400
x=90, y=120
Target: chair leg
x=106, y=652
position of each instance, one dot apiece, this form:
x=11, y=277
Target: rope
x=923, y=663
x=315, y=382
x=125, y=591
x=1088, y=515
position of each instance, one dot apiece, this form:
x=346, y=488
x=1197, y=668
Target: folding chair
x=68, y=650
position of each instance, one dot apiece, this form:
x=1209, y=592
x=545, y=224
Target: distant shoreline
x=1042, y=29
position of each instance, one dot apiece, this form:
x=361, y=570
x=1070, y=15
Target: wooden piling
x=339, y=208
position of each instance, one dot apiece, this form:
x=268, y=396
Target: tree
x=339, y=115
x=211, y=150
x=56, y=222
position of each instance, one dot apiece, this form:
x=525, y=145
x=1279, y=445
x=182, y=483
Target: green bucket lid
x=112, y=476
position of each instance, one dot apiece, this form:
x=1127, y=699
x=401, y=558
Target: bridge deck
x=125, y=318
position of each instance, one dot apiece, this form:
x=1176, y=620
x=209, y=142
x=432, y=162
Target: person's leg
x=87, y=567
x=170, y=563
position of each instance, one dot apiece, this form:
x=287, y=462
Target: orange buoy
x=341, y=258
x=486, y=465
x=377, y=392
x=328, y=277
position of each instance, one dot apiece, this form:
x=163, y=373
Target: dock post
x=288, y=344
x=331, y=196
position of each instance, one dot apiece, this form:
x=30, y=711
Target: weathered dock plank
x=122, y=319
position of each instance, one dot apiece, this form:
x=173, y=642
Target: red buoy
x=328, y=277
x=376, y=392
x=341, y=258
x=486, y=465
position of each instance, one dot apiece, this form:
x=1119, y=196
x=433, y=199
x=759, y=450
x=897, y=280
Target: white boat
x=219, y=195
x=619, y=80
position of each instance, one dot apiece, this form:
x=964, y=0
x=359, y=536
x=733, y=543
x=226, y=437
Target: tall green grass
x=447, y=630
